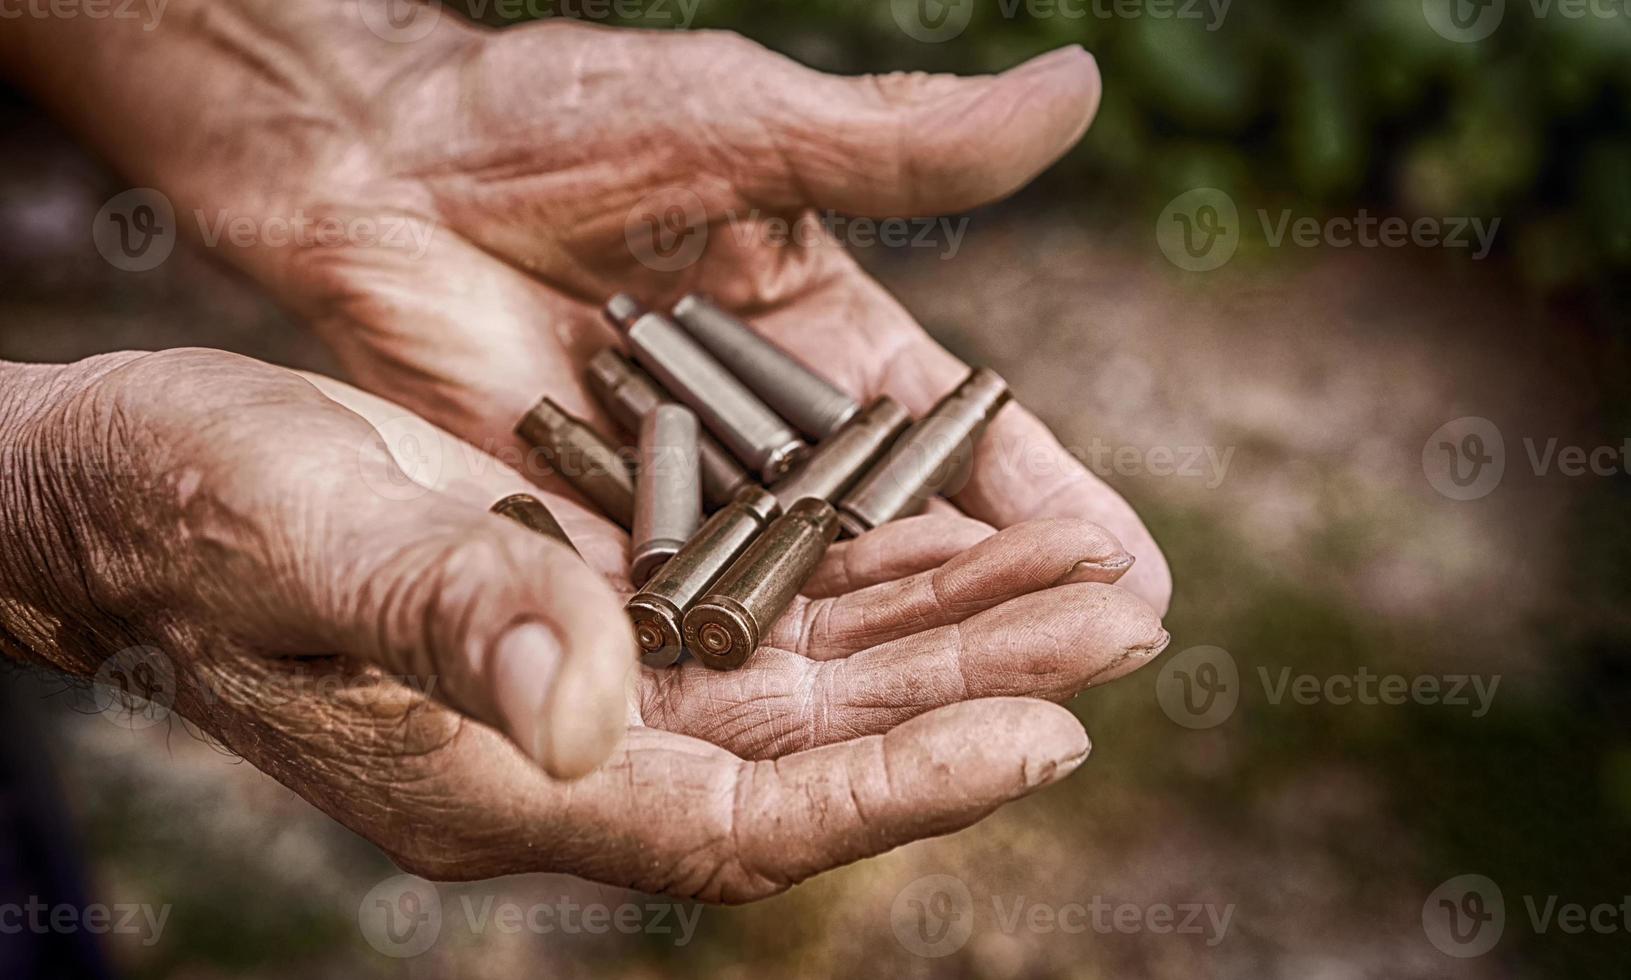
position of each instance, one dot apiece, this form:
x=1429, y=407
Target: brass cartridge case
x=628, y=393
x=813, y=405
x=753, y=433
x=530, y=512
x=725, y=626
x=658, y=609
x=837, y=463
x=935, y=453
x=667, y=489
x=585, y=460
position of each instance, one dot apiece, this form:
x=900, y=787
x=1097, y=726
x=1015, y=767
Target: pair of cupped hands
x=254, y=525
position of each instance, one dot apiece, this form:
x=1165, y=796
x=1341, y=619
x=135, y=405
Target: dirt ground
x=1300, y=386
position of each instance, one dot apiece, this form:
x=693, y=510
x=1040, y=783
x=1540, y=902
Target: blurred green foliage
x=1283, y=103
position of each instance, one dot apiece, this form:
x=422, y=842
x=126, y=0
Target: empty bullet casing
x=725, y=626
x=839, y=461
x=530, y=512
x=582, y=457
x=934, y=454
x=793, y=391
x=658, y=609
x=747, y=427
x=627, y=394
x=667, y=489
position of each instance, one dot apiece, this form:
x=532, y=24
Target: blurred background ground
x=1318, y=374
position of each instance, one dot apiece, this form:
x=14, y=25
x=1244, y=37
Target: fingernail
x=524, y=667
x=1154, y=647
x=1107, y=570
x=586, y=716
x=1135, y=656
x=1040, y=773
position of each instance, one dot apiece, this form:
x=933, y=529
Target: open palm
x=904, y=695
x=552, y=165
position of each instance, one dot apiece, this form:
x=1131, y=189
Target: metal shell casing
x=658, y=609
x=838, y=462
x=935, y=454
x=584, y=459
x=753, y=433
x=667, y=489
x=530, y=512
x=808, y=401
x=725, y=627
x=628, y=393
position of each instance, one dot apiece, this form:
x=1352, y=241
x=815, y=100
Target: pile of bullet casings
x=721, y=415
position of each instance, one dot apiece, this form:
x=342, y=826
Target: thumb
x=501, y=623
x=907, y=143
x=512, y=628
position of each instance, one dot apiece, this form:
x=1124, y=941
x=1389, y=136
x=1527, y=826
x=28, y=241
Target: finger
x=894, y=551
x=805, y=813
x=739, y=831
x=668, y=815
x=502, y=623
x=1051, y=644
x=1021, y=471
x=897, y=144
x=1024, y=558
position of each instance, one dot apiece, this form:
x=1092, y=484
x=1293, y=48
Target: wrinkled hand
x=252, y=528
x=551, y=165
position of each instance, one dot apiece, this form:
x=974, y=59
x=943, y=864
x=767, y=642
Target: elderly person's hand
x=542, y=168
x=255, y=528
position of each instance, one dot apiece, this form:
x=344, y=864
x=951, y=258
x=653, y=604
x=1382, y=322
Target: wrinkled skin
x=252, y=528
x=904, y=695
